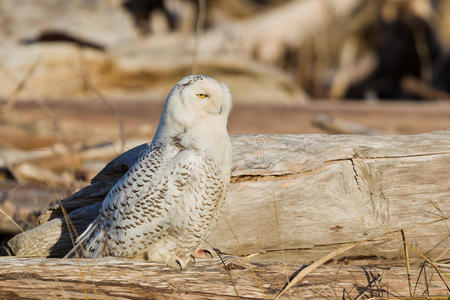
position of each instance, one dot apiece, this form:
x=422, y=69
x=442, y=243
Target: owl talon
x=193, y=258
x=208, y=252
x=179, y=264
x=202, y=253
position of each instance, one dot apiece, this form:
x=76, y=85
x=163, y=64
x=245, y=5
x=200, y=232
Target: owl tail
x=89, y=244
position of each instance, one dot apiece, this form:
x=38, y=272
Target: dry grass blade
x=18, y=227
x=374, y=287
x=434, y=247
x=28, y=237
x=11, y=100
x=69, y=223
x=435, y=205
x=219, y=254
x=445, y=283
x=116, y=114
x=418, y=277
x=277, y=222
x=11, y=220
x=427, y=289
x=405, y=249
x=245, y=256
x=236, y=291
x=314, y=266
x=436, y=267
x=89, y=86
x=442, y=297
x=438, y=270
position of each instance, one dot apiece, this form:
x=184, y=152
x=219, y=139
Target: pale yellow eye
x=202, y=95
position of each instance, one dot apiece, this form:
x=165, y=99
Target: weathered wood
x=281, y=23
x=302, y=194
x=149, y=65
x=15, y=158
x=127, y=279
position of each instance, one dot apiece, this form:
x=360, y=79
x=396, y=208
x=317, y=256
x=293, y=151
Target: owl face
x=198, y=101
x=203, y=95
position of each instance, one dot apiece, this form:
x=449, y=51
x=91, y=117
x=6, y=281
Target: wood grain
x=107, y=278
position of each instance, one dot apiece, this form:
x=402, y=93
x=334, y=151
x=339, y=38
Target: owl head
x=197, y=101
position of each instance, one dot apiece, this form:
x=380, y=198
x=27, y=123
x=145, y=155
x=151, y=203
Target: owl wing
x=155, y=196
x=115, y=211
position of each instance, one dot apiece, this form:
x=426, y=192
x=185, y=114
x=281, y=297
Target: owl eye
x=200, y=95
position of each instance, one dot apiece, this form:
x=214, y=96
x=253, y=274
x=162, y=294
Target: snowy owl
x=163, y=207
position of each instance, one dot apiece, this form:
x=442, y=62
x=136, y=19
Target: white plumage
x=164, y=205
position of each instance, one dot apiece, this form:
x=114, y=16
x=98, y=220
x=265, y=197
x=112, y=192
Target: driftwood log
x=294, y=198
x=37, y=278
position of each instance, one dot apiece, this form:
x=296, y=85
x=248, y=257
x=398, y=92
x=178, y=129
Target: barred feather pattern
x=164, y=214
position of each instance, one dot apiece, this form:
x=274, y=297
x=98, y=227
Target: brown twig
x=314, y=266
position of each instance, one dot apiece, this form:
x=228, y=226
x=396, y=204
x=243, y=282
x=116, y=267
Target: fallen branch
x=335, y=125
x=423, y=89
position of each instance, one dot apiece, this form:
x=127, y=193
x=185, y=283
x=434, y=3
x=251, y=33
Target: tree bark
x=294, y=197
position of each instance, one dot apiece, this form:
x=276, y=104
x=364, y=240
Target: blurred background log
x=334, y=125
x=267, y=51
x=116, y=278
x=303, y=194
